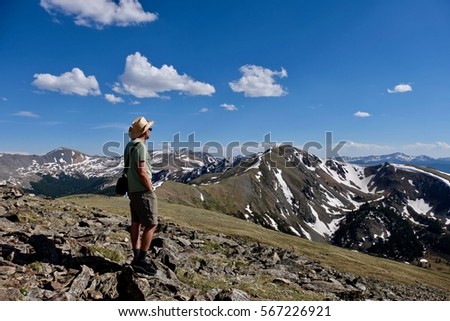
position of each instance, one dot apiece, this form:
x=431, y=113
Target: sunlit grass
x=341, y=259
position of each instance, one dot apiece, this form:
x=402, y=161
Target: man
x=143, y=201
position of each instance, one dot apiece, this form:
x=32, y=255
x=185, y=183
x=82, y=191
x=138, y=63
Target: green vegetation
x=110, y=254
x=67, y=185
x=262, y=287
x=211, y=246
x=119, y=236
x=36, y=266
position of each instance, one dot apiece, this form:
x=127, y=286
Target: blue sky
x=374, y=73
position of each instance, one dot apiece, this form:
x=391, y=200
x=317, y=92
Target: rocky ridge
x=55, y=250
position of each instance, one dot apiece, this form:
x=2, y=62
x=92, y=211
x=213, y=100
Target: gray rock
x=52, y=250
x=232, y=295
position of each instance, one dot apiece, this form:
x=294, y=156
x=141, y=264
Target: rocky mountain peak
x=65, y=155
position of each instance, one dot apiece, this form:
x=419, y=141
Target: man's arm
x=142, y=172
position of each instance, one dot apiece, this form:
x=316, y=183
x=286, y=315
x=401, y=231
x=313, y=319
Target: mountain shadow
x=64, y=185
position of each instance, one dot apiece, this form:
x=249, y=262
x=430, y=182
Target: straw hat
x=138, y=127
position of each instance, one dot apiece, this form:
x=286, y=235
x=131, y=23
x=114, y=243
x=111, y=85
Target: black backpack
x=122, y=182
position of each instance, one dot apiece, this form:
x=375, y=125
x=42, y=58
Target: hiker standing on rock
x=143, y=201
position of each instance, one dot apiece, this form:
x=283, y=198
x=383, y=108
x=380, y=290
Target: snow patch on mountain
x=332, y=200
x=384, y=235
x=294, y=231
x=318, y=226
x=256, y=164
x=349, y=175
x=305, y=233
x=156, y=157
x=420, y=206
x=249, y=211
x=284, y=187
x=271, y=222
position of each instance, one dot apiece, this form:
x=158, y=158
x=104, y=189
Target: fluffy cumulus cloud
x=69, y=83
x=400, y=88
x=143, y=80
x=204, y=110
x=257, y=81
x=100, y=13
x=113, y=99
x=229, y=107
x=362, y=114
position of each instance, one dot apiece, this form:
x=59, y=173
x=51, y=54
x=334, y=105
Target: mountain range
x=442, y=164
x=390, y=209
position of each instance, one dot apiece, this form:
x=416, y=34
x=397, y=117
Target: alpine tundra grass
x=335, y=257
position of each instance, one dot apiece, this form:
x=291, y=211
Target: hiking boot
x=143, y=267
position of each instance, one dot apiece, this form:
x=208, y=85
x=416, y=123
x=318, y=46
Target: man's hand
x=142, y=171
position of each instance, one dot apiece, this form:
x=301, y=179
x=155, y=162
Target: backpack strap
x=126, y=157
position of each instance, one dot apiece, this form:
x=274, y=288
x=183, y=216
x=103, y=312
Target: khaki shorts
x=144, y=208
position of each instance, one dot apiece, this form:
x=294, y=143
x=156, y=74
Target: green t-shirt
x=136, y=152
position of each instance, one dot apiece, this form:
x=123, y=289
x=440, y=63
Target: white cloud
x=135, y=102
x=362, y=114
x=4, y=98
x=14, y=152
x=204, y=110
x=71, y=82
x=362, y=149
x=113, y=99
x=229, y=107
x=100, y=13
x=259, y=82
x=437, y=149
x=143, y=80
x=28, y=114
x=401, y=88
x=428, y=145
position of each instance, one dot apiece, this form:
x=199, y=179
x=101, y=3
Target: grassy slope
x=338, y=258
